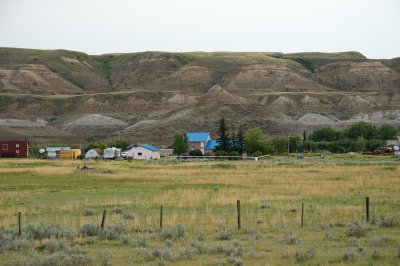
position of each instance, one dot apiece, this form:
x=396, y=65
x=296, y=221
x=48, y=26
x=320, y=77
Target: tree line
x=360, y=136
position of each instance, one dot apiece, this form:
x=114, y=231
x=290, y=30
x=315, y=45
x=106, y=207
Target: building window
x=16, y=145
x=5, y=147
x=139, y=154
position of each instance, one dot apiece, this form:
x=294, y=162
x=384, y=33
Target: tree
x=241, y=140
x=223, y=136
x=387, y=132
x=294, y=143
x=180, y=144
x=361, y=144
x=362, y=129
x=324, y=134
x=255, y=142
x=304, y=136
x=280, y=144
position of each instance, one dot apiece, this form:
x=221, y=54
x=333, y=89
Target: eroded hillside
x=63, y=96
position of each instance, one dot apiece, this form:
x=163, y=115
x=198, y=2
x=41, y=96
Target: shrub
x=387, y=221
x=359, y=229
x=88, y=212
x=376, y=255
x=224, y=235
x=129, y=216
x=291, y=239
x=257, y=154
x=265, y=206
x=301, y=256
x=201, y=235
x=117, y=210
x=112, y=232
x=168, y=243
x=348, y=256
x=9, y=241
x=195, y=153
x=54, y=245
x=176, y=232
x=379, y=241
x=89, y=229
x=43, y=231
x=105, y=258
x=92, y=240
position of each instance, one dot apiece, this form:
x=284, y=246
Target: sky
x=99, y=26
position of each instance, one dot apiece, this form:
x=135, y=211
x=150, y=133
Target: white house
x=143, y=152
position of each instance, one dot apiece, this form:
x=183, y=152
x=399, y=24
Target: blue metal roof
x=149, y=147
x=211, y=145
x=198, y=136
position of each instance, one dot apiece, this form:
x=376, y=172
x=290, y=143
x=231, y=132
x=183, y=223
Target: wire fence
x=236, y=215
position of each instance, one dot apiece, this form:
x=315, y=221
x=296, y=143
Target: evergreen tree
x=304, y=136
x=223, y=136
x=241, y=140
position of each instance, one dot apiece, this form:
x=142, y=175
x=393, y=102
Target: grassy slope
x=203, y=196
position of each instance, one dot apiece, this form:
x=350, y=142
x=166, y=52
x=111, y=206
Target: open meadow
x=62, y=204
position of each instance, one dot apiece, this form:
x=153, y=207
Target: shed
x=144, y=152
x=94, y=154
x=166, y=152
x=14, y=148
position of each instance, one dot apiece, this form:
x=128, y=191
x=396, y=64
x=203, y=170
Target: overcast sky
x=99, y=26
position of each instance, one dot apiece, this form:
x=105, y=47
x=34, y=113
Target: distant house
x=201, y=141
x=143, y=152
x=14, y=148
x=94, y=154
x=54, y=152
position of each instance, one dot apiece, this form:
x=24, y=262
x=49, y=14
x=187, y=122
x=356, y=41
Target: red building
x=14, y=148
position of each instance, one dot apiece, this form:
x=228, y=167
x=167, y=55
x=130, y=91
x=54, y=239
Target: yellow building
x=70, y=154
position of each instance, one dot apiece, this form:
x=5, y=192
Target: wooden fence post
x=161, y=216
x=238, y=214
x=302, y=214
x=104, y=219
x=367, y=208
x=19, y=224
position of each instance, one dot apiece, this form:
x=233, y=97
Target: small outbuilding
x=143, y=152
x=54, y=152
x=94, y=154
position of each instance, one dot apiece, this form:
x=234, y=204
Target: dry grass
x=202, y=196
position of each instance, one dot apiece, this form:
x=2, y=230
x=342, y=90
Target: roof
x=198, y=136
x=211, y=145
x=149, y=147
x=52, y=149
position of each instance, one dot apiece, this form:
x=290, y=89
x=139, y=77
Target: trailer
x=112, y=153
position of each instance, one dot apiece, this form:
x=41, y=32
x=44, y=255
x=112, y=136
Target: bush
x=195, y=153
x=112, y=232
x=379, y=241
x=376, y=254
x=222, y=153
x=348, y=256
x=105, y=258
x=88, y=212
x=301, y=256
x=117, y=210
x=43, y=231
x=174, y=233
x=359, y=229
x=129, y=216
x=291, y=239
x=201, y=236
x=257, y=154
x=224, y=235
x=387, y=221
x=89, y=229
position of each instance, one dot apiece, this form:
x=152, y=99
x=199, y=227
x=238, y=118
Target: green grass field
x=62, y=205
